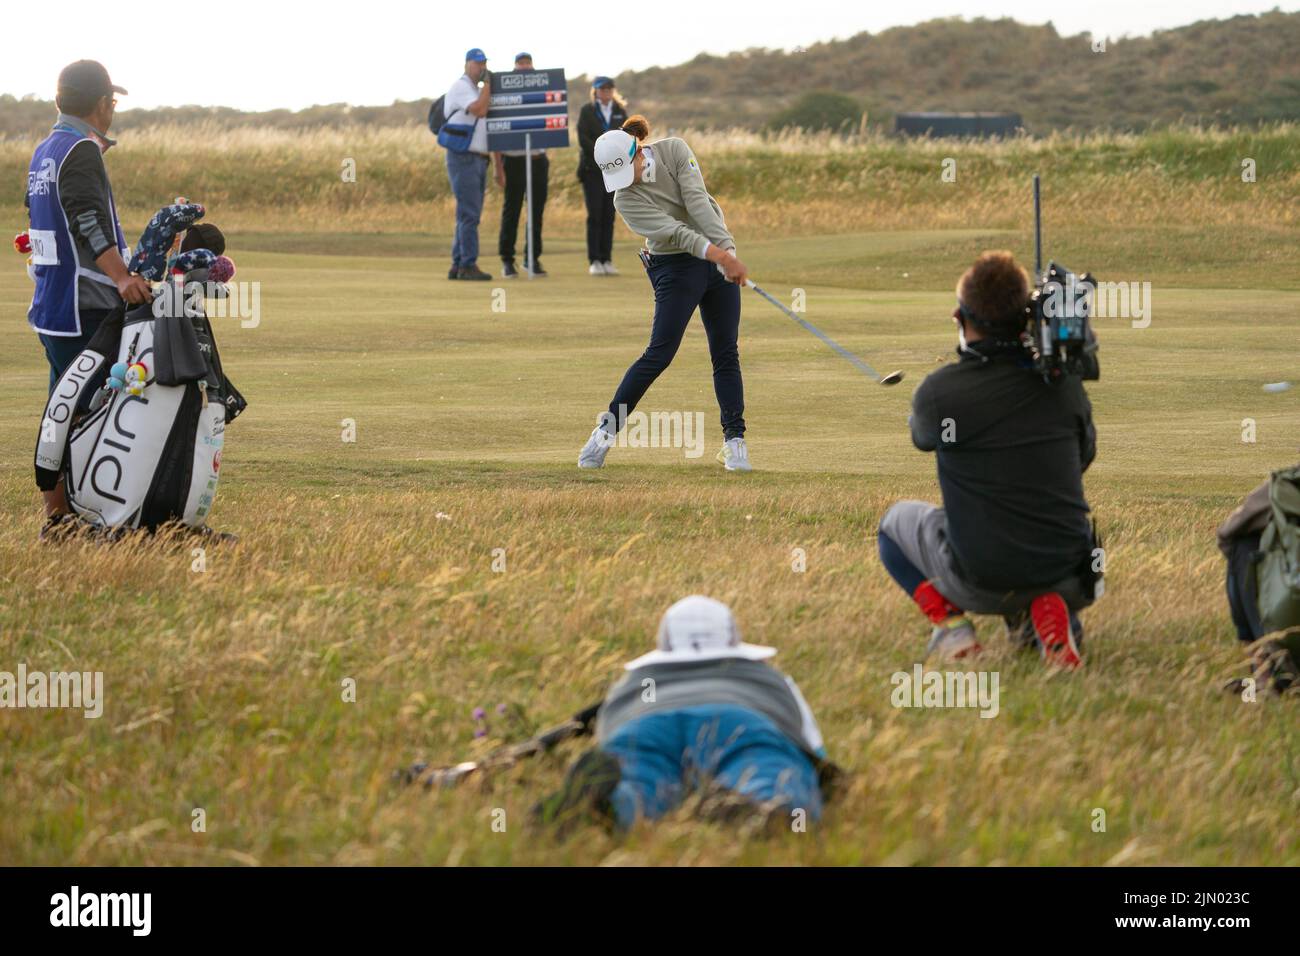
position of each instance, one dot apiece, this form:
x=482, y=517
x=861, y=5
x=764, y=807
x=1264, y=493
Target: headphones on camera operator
x=1056, y=334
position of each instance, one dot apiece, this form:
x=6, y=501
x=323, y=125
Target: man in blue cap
x=465, y=106
x=512, y=176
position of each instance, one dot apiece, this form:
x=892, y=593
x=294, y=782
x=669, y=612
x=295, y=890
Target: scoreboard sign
x=533, y=103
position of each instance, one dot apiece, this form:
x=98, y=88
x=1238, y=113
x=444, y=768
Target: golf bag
x=150, y=452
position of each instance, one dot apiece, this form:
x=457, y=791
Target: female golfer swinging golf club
x=691, y=259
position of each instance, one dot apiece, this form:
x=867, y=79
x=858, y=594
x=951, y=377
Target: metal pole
x=1038, y=234
x=531, y=258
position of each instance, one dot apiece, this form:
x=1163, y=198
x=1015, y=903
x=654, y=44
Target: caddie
x=79, y=254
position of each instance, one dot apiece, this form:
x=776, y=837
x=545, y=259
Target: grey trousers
x=919, y=530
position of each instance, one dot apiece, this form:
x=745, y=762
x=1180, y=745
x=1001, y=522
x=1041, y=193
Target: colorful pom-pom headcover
x=223, y=270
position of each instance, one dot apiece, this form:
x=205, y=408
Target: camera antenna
x=1038, y=232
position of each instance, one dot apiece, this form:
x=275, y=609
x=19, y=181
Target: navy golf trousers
x=683, y=283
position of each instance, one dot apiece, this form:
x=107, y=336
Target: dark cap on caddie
x=88, y=77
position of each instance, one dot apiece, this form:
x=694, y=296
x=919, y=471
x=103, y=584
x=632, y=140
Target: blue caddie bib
x=54, y=309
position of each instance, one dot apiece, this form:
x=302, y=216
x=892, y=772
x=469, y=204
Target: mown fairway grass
x=373, y=561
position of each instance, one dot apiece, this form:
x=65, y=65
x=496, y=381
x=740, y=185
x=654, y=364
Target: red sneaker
x=1051, y=620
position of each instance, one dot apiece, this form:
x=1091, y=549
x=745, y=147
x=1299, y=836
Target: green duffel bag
x=1277, y=573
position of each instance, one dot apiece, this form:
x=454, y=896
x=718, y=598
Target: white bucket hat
x=614, y=152
x=698, y=628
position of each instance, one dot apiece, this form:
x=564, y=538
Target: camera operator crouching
x=1013, y=536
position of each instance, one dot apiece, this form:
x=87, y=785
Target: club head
x=447, y=777
x=893, y=378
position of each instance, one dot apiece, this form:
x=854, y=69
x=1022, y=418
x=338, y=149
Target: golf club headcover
x=187, y=262
x=222, y=270
x=933, y=604
x=150, y=259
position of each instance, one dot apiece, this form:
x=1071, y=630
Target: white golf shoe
x=953, y=640
x=734, y=455
x=593, y=453
x=597, y=269
x=609, y=269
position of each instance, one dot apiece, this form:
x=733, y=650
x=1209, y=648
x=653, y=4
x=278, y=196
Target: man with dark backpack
x=463, y=135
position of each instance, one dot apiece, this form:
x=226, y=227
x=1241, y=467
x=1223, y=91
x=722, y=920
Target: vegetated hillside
x=1223, y=72
x=1238, y=71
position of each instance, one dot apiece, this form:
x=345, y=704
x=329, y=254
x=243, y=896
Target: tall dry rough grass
x=373, y=560
x=795, y=182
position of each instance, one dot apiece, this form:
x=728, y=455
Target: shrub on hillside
x=818, y=111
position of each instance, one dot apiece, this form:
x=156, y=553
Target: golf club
x=893, y=378
x=578, y=725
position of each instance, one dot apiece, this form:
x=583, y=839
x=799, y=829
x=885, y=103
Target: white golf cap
x=699, y=628
x=614, y=151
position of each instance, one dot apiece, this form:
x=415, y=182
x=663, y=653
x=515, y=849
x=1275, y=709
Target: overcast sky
x=267, y=54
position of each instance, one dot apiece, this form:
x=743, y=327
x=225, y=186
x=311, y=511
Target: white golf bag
x=140, y=460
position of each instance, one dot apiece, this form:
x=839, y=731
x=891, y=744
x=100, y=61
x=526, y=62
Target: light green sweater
x=675, y=213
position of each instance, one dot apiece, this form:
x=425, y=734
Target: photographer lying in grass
x=1013, y=536
x=702, y=713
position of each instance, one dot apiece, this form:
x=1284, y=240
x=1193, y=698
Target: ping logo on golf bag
x=116, y=456
x=122, y=450
x=110, y=452
x=58, y=412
